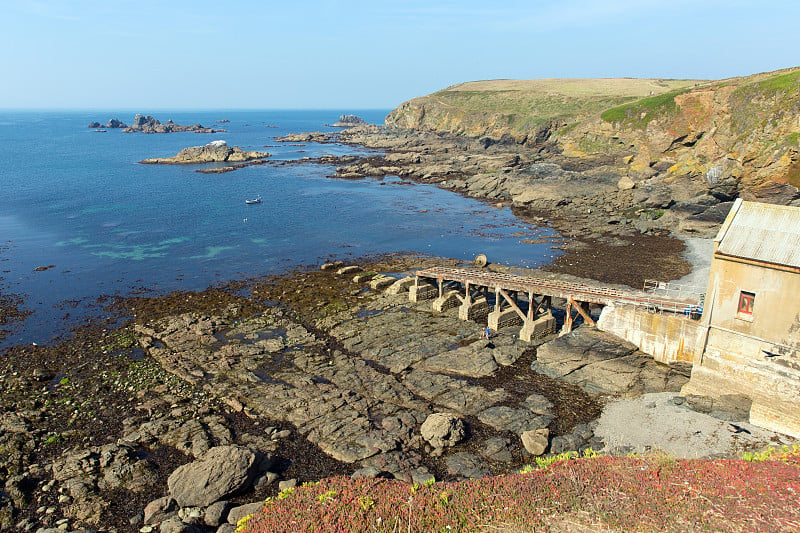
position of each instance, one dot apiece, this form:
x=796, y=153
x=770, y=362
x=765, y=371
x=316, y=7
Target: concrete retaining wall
x=667, y=337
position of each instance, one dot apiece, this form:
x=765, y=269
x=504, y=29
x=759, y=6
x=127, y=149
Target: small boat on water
x=256, y=200
x=100, y=131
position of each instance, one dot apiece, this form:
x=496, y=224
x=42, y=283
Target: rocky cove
x=191, y=413
x=182, y=413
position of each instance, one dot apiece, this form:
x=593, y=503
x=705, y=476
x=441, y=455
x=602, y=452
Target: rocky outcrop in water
x=314, y=136
x=111, y=124
x=148, y=124
x=348, y=121
x=213, y=152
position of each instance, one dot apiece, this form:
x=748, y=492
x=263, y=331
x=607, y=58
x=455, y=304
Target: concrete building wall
x=668, y=338
x=734, y=364
x=758, y=354
x=776, y=311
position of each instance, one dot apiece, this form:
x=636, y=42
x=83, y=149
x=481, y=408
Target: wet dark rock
x=497, y=449
x=573, y=441
x=159, y=510
x=176, y=525
x=505, y=418
x=217, y=513
x=467, y=465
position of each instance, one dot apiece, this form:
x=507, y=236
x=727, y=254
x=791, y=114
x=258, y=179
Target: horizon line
x=192, y=109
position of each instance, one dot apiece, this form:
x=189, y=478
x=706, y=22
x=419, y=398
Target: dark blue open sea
x=78, y=199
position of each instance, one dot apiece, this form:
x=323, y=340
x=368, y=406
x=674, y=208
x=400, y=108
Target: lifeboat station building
x=748, y=339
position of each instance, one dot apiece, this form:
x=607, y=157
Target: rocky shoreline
x=605, y=218
x=333, y=371
x=312, y=374
x=587, y=196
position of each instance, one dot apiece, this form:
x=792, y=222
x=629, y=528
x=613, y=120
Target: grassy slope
x=653, y=493
x=747, y=124
x=517, y=106
x=748, y=91
x=550, y=98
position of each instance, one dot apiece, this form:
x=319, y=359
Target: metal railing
x=674, y=290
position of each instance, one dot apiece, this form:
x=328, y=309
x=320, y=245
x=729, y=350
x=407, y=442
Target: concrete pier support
x=501, y=318
x=401, y=285
x=539, y=328
x=381, y=282
x=474, y=309
x=422, y=291
x=447, y=300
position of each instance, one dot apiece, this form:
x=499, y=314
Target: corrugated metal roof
x=762, y=232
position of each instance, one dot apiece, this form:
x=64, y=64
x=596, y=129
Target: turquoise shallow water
x=78, y=200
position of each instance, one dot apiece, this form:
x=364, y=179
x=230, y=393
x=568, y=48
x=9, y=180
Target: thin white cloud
x=531, y=15
x=48, y=10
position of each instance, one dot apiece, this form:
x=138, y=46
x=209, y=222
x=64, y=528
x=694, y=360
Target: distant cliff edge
x=654, y=130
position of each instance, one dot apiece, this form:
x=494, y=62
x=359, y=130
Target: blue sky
x=328, y=54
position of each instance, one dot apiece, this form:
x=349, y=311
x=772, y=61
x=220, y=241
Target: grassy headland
x=747, y=126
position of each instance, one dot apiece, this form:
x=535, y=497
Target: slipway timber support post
x=581, y=309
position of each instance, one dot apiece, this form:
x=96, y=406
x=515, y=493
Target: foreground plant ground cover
x=652, y=493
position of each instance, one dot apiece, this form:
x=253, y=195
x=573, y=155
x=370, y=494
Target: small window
x=746, y=302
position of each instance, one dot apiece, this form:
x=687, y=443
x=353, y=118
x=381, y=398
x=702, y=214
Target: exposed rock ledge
x=213, y=152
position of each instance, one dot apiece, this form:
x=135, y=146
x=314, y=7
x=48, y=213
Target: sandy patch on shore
x=653, y=422
x=698, y=253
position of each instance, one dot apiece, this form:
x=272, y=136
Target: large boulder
x=535, y=441
x=221, y=472
x=443, y=429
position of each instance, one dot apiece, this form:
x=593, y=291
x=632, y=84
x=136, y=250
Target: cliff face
x=746, y=128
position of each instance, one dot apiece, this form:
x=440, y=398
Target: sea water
x=78, y=201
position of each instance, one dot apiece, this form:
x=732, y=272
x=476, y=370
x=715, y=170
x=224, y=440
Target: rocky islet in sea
x=149, y=124
x=214, y=152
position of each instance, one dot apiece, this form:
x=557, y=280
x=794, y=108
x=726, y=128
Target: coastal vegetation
x=640, y=112
x=653, y=492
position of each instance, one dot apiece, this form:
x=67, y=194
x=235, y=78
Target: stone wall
x=668, y=338
x=773, y=384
